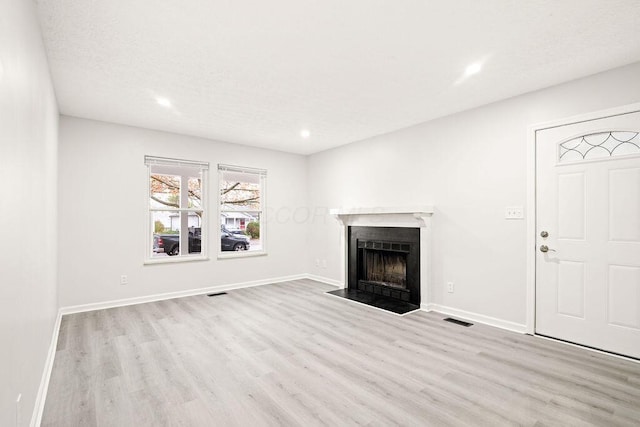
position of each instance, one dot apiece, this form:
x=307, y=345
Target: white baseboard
x=38, y=409
x=325, y=280
x=178, y=294
x=169, y=295
x=480, y=318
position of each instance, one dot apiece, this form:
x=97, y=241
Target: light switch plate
x=514, y=212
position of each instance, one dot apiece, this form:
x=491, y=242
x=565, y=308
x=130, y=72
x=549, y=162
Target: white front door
x=588, y=207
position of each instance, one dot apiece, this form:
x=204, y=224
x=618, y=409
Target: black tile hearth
x=378, y=301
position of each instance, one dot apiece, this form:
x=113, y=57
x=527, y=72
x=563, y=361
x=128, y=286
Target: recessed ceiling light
x=305, y=133
x=163, y=102
x=473, y=69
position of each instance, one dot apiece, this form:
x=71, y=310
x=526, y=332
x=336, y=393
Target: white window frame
x=262, y=175
x=198, y=168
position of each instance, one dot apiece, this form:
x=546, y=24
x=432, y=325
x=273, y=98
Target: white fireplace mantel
x=426, y=209
x=414, y=216
x=411, y=216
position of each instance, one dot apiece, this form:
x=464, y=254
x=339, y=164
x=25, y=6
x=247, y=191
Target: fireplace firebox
x=385, y=261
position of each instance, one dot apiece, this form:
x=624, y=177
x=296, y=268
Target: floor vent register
x=458, y=322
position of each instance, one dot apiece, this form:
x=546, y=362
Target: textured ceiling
x=257, y=72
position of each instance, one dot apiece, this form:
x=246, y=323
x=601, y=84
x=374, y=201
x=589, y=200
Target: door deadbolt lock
x=545, y=249
x=544, y=234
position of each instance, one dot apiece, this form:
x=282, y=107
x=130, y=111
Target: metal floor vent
x=216, y=294
x=458, y=322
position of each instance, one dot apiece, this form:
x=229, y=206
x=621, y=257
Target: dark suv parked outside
x=170, y=243
x=233, y=241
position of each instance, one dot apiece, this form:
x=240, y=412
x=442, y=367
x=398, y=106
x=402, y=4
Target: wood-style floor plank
x=288, y=354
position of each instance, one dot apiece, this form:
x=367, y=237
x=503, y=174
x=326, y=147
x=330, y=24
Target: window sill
x=241, y=254
x=174, y=260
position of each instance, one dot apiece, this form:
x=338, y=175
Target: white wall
x=28, y=150
x=103, y=217
x=470, y=166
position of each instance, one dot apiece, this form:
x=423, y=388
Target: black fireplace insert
x=385, y=262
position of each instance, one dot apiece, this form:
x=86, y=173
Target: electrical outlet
x=317, y=262
x=450, y=287
x=324, y=263
x=124, y=280
x=514, y=212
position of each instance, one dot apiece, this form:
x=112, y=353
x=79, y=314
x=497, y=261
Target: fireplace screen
x=385, y=261
x=385, y=268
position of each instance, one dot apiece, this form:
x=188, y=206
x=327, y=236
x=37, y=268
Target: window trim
x=203, y=168
x=262, y=174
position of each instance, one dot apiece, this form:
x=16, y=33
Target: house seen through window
x=176, y=208
x=242, y=201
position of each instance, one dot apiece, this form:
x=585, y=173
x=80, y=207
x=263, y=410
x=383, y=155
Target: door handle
x=545, y=249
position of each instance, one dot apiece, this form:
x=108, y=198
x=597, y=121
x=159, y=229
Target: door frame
x=530, y=210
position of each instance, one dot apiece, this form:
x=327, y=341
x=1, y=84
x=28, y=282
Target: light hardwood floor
x=288, y=354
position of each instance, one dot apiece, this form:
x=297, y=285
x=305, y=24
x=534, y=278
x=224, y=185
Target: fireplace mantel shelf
x=411, y=210
x=384, y=216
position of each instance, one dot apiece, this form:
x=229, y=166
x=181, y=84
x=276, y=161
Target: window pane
x=195, y=192
x=195, y=239
x=166, y=233
x=241, y=207
x=253, y=231
x=239, y=195
x=165, y=191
